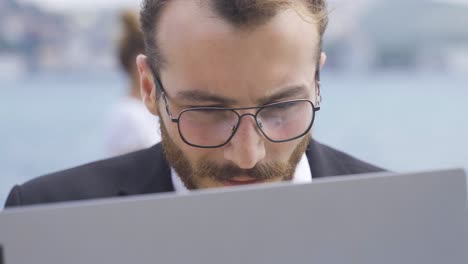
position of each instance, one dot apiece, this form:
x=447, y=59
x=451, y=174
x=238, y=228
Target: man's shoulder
x=327, y=161
x=111, y=177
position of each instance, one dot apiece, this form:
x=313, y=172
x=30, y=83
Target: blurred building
x=415, y=33
x=363, y=35
x=27, y=33
x=402, y=34
x=33, y=39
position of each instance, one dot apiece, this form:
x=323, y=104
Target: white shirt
x=130, y=127
x=301, y=175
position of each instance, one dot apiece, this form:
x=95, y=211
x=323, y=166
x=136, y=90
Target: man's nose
x=247, y=147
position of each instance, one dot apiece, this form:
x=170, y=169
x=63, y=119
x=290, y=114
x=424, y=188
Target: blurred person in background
x=131, y=127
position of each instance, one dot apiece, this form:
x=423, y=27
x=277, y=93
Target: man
x=236, y=86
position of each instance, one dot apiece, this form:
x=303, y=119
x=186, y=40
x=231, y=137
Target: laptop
x=366, y=219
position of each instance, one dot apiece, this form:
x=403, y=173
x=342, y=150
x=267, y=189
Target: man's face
x=217, y=64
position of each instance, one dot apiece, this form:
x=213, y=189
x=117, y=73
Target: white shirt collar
x=301, y=175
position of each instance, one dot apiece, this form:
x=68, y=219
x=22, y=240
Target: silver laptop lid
x=378, y=218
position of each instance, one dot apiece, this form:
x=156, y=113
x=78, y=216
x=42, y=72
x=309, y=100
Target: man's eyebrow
x=288, y=92
x=197, y=96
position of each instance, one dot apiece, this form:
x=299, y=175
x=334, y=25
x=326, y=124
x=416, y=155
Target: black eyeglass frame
x=161, y=89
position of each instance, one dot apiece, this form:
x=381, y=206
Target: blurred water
x=403, y=122
x=399, y=121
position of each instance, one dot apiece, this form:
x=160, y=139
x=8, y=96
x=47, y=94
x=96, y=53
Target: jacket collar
x=151, y=173
x=314, y=153
x=325, y=161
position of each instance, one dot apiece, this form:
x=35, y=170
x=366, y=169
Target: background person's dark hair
x=240, y=13
x=131, y=42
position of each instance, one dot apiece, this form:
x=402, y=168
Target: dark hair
x=241, y=13
x=131, y=42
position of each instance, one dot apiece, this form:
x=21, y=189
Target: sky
x=83, y=4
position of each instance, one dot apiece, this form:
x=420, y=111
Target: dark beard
x=207, y=169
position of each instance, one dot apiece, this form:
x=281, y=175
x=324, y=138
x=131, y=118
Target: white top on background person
x=130, y=126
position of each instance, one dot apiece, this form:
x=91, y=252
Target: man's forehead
x=197, y=18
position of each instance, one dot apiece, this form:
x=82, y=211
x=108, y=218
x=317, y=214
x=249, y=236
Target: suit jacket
x=147, y=171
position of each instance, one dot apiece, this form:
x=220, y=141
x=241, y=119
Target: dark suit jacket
x=146, y=172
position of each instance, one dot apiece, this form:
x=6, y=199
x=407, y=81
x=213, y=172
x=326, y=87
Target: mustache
x=261, y=172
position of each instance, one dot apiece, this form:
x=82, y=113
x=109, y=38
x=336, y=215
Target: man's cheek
x=279, y=153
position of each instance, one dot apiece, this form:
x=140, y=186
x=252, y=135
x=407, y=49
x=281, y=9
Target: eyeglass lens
x=214, y=127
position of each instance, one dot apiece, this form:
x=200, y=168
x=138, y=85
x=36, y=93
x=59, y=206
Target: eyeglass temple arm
x=160, y=87
x=318, y=99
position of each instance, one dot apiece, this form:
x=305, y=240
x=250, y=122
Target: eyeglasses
x=214, y=127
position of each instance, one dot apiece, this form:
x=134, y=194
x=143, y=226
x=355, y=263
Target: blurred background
x=395, y=86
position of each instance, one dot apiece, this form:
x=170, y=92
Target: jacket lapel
x=151, y=174
x=322, y=161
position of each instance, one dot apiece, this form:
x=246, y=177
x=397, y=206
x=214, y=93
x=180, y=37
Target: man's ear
x=147, y=85
x=323, y=59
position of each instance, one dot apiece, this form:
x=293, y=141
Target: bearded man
x=236, y=86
